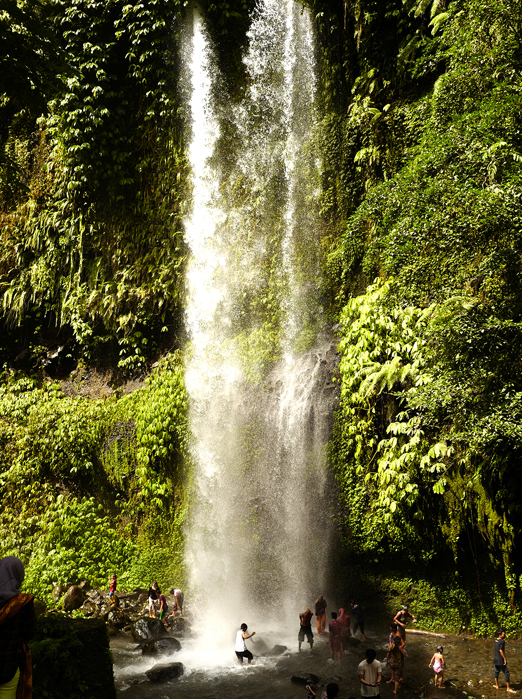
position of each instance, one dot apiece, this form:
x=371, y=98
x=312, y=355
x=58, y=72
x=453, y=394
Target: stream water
x=469, y=669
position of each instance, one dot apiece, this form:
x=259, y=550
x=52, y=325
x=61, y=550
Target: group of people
x=339, y=628
x=370, y=669
x=158, y=601
x=18, y=626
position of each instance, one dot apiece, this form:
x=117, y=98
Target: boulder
x=112, y=630
x=165, y=672
x=161, y=646
x=85, y=585
x=89, y=608
x=299, y=680
x=95, y=596
x=310, y=679
x=58, y=592
x=278, y=650
x=261, y=646
x=142, y=597
x=179, y=624
x=73, y=598
x=148, y=629
x=118, y=619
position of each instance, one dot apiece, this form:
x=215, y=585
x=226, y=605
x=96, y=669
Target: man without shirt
x=370, y=675
x=499, y=659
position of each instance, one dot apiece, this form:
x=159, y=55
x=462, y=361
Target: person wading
x=344, y=620
x=334, y=637
x=394, y=660
x=359, y=619
x=370, y=675
x=401, y=619
x=17, y=627
x=500, y=660
x=305, y=629
x=241, y=649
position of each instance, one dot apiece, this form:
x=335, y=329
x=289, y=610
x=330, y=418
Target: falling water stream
x=259, y=371
x=259, y=536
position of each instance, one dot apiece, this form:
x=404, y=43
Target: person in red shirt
x=335, y=637
x=112, y=584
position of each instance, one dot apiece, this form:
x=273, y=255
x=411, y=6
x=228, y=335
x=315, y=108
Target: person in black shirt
x=499, y=659
x=359, y=619
x=154, y=593
x=401, y=619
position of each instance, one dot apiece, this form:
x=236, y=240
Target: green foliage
x=96, y=241
x=74, y=541
x=427, y=440
x=62, y=457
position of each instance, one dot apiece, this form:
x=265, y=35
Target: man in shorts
x=305, y=629
x=499, y=659
x=370, y=675
x=240, y=648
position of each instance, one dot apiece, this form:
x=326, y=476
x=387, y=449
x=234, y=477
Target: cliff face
x=419, y=132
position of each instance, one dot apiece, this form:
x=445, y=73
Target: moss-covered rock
x=72, y=658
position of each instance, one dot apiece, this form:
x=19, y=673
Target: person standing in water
x=500, y=660
x=241, y=649
x=17, y=627
x=394, y=633
x=394, y=660
x=305, y=629
x=359, y=619
x=438, y=664
x=320, y=614
x=334, y=637
x=344, y=620
x=370, y=674
x=401, y=619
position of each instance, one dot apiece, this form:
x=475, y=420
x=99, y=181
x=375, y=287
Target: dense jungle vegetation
x=419, y=129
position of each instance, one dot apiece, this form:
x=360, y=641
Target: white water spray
x=259, y=536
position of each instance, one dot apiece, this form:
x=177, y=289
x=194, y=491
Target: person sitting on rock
x=153, y=594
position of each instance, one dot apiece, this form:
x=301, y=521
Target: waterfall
x=259, y=361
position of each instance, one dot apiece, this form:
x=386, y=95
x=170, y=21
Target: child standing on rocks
x=112, y=586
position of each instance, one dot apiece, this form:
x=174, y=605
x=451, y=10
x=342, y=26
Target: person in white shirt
x=241, y=649
x=370, y=675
